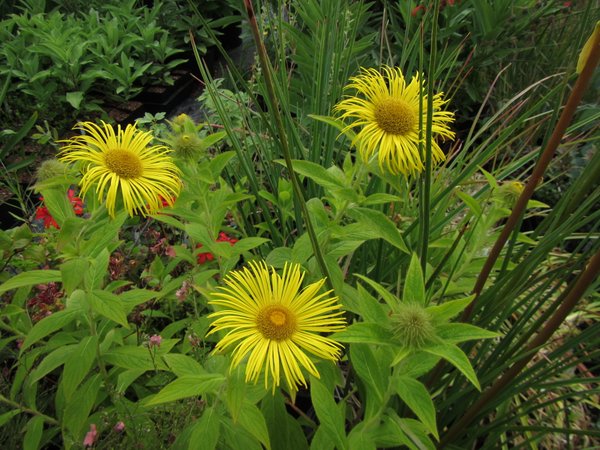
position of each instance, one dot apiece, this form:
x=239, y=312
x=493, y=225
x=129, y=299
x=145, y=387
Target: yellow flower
x=275, y=323
x=387, y=109
x=123, y=161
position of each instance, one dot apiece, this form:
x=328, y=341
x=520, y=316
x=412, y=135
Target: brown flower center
x=276, y=322
x=124, y=163
x=395, y=116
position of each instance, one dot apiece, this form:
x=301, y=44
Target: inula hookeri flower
x=123, y=163
x=275, y=323
x=387, y=110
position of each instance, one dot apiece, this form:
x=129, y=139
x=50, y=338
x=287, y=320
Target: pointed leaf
x=379, y=222
x=414, y=287
x=186, y=386
x=453, y=333
x=417, y=398
x=457, y=358
x=364, y=333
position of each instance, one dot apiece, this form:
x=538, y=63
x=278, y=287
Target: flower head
x=275, y=323
x=90, y=436
x=119, y=426
x=387, y=110
x=123, y=162
x=155, y=340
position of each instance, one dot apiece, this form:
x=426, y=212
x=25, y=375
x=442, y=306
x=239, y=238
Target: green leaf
x=183, y=364
x=186, y=386
x=368, y=369
x=54, y=359
x=205, y=432
x=30, y=278
x=336, y=123
x=379, y=222
x=329, y=414
x=364, y=333
x=414, y=286
x=72, y=273
x=454, y=333
x=457, y=358
x=78, y=409
x=318, y=174
x=49, y=325
x=386, y=295
x=253, y=421
x=108, y=305
x=448, y=310
x=279, y=256
x=284, y=431
x=74, y=98
x=417, y=398
x=469, y=201
x=4, y=418
x=78, y=365
x=33, y=433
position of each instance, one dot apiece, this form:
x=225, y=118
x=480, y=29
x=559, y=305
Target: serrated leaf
x=186, y=386
x=457, y=358
x=368, y=369
x=72, y=273
x=364, y=333
x=417, y=398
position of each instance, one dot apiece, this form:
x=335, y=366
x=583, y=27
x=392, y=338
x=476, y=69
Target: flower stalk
x=559, y=130
x=298, y=195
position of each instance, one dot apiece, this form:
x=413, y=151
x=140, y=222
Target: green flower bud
x=49, y=169
x=413, y=326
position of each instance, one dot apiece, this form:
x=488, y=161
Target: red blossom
x=42, y=213
x=90, y=437
x=207, y=256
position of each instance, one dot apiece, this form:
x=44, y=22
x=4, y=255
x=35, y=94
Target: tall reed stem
x=298, y=195
x=575, y=291
x=426, y=185
x=559, y=130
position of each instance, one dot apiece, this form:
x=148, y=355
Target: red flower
x=207, y=256
x=416, y=10
x=76, y=202
x=42, y=213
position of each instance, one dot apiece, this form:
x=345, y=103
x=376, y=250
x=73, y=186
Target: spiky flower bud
x=188, y=146
x=49, y=169
x=413, y=326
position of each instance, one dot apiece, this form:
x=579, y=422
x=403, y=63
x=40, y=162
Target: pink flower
x=119, y=427
x=90, y=436
x=155, y=340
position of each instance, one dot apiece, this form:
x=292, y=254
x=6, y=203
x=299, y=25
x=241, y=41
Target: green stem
x=559, y=130
x=298, y=195
x=33, y=412
x=426, y=191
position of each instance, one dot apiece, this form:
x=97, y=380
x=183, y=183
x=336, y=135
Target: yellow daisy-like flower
x=273, y=322
x=123, y=161
x=387, y=109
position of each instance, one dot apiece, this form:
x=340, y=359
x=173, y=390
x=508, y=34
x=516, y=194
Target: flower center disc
x=124, y=163
x=394, y=116
x=276, y=322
